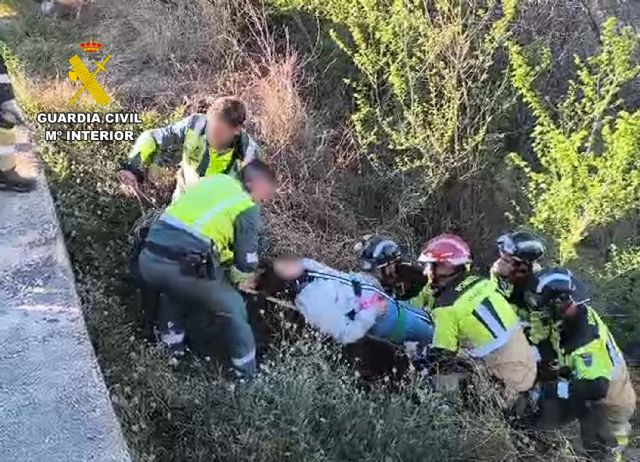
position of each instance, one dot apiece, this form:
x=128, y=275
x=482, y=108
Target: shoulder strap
x=238, y=154
x=357, y=285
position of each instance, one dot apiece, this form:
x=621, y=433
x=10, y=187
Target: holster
x=201, y=265
x=198, y=265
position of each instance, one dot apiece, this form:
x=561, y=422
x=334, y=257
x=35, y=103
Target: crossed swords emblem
x=88, y=79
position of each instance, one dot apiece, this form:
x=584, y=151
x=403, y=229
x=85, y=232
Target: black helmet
x=554, y=284
x=522, y=245
x=376, y=251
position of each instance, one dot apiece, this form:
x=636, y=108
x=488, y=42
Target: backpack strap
x=358, y=286
x=238, y=154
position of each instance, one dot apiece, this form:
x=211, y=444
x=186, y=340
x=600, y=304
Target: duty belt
x=165, y=252
x=193, y=264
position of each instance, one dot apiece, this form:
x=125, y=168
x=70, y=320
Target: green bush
x=587, y=148
x=617, y=291
x=427, y=86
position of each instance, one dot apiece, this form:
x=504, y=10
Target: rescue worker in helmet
x=469, y=312
x=204, y=145
x=517, y=264
x=204, y=244
x=515, y=272
x=593, y=384
x=345, y=306
x=381, y=257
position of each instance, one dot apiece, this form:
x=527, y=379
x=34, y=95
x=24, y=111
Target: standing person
x=10, y=116
x=205, y=243
x=469, y=311
x=204, y=145
x=594, y=385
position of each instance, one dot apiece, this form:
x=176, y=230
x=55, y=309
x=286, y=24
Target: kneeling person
x=204, y=242
x=381, y=258
x=596, y=387
x=344, y=306
x=469, y=311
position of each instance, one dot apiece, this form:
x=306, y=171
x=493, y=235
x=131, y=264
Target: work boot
x=11, y=180
x=174, y=340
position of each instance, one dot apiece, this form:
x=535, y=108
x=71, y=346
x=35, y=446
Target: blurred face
x=288, y=269
x=513, y=268
x=261, y=189
x=220, y=134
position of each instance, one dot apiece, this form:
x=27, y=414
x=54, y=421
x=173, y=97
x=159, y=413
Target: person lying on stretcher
x=345, y=306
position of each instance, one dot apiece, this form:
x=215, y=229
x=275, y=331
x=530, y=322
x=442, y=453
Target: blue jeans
x=417, y=324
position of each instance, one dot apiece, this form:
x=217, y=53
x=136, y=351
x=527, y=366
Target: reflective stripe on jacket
x=473, y=314
x=186, y=142
x=209, y=209
x=598, y=356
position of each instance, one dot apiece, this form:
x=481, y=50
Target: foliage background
x=363, y=140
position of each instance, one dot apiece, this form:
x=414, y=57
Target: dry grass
x=280, y=114
x=7, y=11
x=163, y=51
x=53, y=95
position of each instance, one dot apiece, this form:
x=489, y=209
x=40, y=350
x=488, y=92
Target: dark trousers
x=217, y=296
x=597, y=424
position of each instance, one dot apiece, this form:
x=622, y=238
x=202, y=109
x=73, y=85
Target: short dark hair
x=230, y=109
x=257, y=168
x=268, y=281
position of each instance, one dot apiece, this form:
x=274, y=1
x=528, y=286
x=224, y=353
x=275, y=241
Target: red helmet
x=446, y=249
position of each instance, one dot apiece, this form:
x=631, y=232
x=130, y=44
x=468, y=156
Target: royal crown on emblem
x=91, y=46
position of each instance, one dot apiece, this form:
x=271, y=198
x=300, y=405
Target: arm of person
x=445, y=331
x=591, y=372
x=424, y=299
x=155, y=146
x=590, y=379
x=247, y=228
